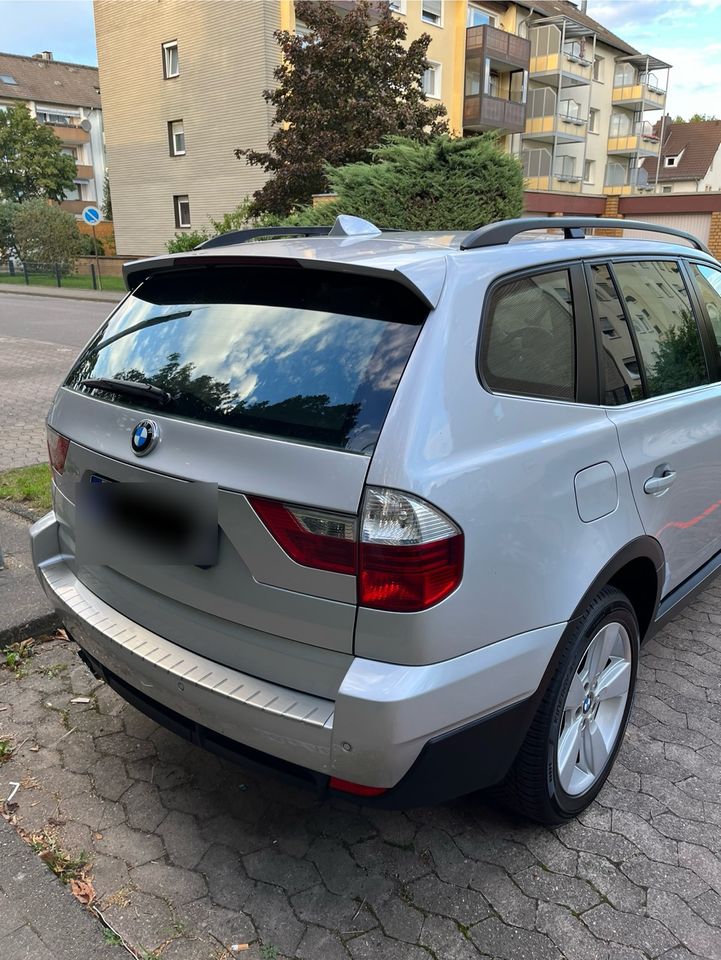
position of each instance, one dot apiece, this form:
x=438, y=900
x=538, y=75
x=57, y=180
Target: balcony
x=485, y=112
x=548, y=119
x=496, y=79
x=542, y=173
x=69, y=134
x=84, y=171
x=555, y=51
x=640, y=140
x=621, y=181
x=640, y=96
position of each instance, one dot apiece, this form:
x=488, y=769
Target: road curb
x=21, y=631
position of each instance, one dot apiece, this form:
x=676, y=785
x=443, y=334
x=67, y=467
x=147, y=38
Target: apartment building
x=182, y=87
x=66, y=97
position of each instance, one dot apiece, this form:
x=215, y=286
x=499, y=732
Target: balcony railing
x=489, y=112
x=621, y=180
x=637, y=138
x=504, y=48
x=637, y=94
x=546, y=117
x=550, y=55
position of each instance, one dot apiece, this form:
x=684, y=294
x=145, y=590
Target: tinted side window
x=708, y=281
x=621, y=366
x=529, y=337
x=664, y=324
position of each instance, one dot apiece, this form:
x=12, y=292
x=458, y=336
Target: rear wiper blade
x=133, y=388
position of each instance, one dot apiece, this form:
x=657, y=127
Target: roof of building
x=563, y=8
x=697, y=143
x=49, y=81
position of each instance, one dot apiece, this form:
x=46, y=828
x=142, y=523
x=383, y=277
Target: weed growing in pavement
x=6, y=751
x=63, y=865
x=14, y=655
x=268, y=952
x=111, y=938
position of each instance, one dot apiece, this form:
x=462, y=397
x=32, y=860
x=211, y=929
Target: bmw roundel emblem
x=145, y=437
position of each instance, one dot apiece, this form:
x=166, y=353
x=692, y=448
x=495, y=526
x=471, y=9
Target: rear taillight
x=407, y=557
x=411, y=554
x=57, y=450
x=315, y=538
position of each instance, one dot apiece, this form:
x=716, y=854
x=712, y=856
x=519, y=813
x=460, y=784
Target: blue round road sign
x=92, y=215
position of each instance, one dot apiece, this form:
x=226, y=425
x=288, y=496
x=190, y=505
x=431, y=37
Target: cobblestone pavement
x=191, y=855
x=39, y=339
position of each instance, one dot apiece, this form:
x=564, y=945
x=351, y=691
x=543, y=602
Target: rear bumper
x=408, y=728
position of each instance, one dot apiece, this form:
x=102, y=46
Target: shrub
x=44, y=233
x=447, y=184
x=87, y=248
x=184, y=242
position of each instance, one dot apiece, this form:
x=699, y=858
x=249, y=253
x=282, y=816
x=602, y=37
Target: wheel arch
x=636, y=570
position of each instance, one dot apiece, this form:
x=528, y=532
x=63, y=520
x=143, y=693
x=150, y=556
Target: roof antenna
x=347, y=226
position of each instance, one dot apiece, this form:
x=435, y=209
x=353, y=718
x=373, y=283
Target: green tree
x=7, y=235
x=343, y=87
x=107, y=207
x=31, y=161
x=46, y=234
x=696, y=118
x=446, y=184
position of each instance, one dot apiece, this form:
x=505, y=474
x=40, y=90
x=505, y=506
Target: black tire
x=532, y=785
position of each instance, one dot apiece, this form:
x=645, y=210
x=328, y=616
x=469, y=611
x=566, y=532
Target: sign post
x=91, y=216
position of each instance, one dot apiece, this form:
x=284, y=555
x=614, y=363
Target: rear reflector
x=57, y=450
x=359, y=789
x=408, y=557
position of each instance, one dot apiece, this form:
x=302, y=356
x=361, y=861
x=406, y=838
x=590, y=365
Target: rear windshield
x=303, y=354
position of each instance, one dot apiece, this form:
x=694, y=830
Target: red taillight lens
x=57, y=450
x=315, y=538
x=359, y=789
x=409, y=578
x=410, y=555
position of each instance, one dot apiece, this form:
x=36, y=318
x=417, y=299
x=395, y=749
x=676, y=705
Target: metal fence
x=82, y=274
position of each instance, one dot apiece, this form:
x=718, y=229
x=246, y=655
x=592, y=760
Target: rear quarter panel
x=503, y=468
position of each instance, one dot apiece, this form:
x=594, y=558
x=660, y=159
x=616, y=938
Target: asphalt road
x=40, y=337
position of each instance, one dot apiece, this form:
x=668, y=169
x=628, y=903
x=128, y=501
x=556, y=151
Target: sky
x=684, y=33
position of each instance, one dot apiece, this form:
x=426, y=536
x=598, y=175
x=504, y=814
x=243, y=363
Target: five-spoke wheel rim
x=594, y=709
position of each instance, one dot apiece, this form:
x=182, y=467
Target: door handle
x=659, y=484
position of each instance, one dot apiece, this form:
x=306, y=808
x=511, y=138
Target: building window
x=493, y=84
x=593, y=120
x=181, y=205
x=58, y=118
x=398, y=6
x=588, y=171
x=70, y=152
x=432, y=81
x=6, y=78
x=176, y=138
x=671, y=161
x=171, y=64
x=667, y=189
x=476, y=17
x=432, y=12
x=598, y=69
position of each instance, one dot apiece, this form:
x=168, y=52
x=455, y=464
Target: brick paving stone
x=184, y=848
x=691, y=929
x=643, y=933
x=446, y=939
x=435, y=896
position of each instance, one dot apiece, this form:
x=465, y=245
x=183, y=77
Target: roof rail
x=256, y=233
x=344, y=226
x=574, y=228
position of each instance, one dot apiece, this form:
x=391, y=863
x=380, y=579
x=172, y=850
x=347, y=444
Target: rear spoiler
x=424, y=278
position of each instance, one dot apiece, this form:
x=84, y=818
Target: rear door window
x=529, y=345
x=664, y=325
x=621, y=367
x=303, y=354
x=708, y=282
